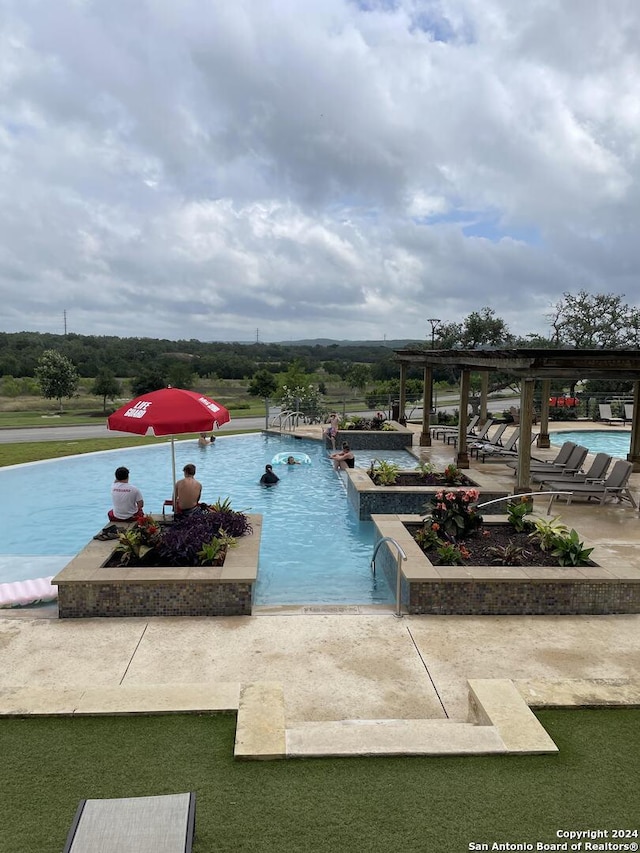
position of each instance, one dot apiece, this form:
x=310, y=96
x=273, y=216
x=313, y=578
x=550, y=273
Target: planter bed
x=399, y=438
x=602, y=588
x=86, y=588
x=367, y=499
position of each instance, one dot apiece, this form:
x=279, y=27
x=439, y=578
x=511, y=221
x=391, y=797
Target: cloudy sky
x=293, y=169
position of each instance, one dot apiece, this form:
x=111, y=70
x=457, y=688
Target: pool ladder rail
x=401, y=556
x=287, y=420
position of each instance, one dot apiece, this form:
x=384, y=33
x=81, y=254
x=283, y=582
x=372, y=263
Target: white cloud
x=326, y=169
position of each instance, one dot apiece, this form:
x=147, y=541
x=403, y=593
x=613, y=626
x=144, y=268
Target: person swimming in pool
x=292, y=461
x=269, y=478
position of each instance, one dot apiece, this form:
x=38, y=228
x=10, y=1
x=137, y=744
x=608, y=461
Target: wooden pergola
x=530, y=366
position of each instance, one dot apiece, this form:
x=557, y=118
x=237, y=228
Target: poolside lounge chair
x=605, y=414
x=615, y=486
x=495, y=441
x=505, y=453
x=628, y=411
x=163, y=824
x=573, y=465
x=560, y=460
x=441, y=430
x=596, y=473
x=484, y=429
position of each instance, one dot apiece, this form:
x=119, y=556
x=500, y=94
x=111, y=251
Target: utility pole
x=435, y=322
x=64, y=317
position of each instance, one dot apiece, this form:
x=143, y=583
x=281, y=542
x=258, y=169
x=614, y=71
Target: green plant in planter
x=452, y=475
x=383, y=473
x=131, y=546
x=508, y=555
x=426, y=469
x=516, y=514
x=387, y=426
x=547, y=532
x=452, y=555
x=570, y=551
x=215, y=548
x=427, y=537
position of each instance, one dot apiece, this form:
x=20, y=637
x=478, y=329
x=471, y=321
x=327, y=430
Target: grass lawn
x=332, y=805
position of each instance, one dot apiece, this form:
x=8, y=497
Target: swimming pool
x=614, y=442
x=313, y=549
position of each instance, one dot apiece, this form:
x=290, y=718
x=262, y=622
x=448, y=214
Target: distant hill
x=328, y=342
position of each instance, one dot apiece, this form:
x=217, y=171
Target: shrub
x=516, y=513
x=383, y=473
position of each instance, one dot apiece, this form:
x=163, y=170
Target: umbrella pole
x=173, y=468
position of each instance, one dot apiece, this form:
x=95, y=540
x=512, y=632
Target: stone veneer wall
x=169, y=598
x=503, y=590
x=398, y=439
x=535, y=598
x=86, y=588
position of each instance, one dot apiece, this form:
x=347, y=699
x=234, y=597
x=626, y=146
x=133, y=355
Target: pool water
x=313, y=549
x=614, y=442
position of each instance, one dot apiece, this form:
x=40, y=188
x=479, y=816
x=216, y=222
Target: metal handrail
x=525, y=495
x=286, y=417
x=401, y=556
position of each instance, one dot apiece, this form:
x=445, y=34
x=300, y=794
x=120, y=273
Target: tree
x=480, y=328
x=263, y=385
x=181, y=375
x=358, y=376
x=150, y=379
x=56, y=375
x=594, y=321
x=106, y=386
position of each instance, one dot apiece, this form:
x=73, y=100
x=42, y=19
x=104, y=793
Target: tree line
x=56, y=362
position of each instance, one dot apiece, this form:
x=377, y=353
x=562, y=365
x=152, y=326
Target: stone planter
x=368, y=499
x=400, y=438
x=503, y=590
x=86, y=588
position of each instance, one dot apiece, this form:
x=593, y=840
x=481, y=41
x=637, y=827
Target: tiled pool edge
x=503, y=590
x=86, y=589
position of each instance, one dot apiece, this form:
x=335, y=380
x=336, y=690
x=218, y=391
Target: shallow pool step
x=391, y=737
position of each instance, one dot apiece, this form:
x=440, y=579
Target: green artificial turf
x=366, y=804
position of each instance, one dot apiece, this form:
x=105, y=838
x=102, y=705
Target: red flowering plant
x=453, y=514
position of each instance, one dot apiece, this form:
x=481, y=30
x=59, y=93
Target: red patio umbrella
x=169, y=411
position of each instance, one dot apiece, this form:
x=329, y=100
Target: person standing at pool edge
x=127, y=500
x=332, y=431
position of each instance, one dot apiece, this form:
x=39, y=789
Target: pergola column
x=427, y=391
x=484, y=395
x=634, y=451
x=523, y=475
x=403, y=393
x=462, y=456
x=543, y=439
